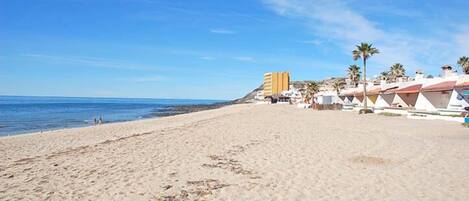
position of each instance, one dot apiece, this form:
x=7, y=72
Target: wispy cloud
x=90, y=62
x=222, y=31
x=344, y=26
x=244, y=58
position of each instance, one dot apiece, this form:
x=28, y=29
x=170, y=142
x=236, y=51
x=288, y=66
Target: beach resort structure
x=447, y=94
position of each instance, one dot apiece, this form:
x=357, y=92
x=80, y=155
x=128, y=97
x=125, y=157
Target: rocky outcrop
x=248, y=98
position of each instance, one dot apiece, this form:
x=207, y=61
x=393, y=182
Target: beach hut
x=372, y=95
x=460, y=96
x=327, y=97
x=435, y=96
x=386, y=96
x=407, y=96
x=358, y=96
x=347, y=95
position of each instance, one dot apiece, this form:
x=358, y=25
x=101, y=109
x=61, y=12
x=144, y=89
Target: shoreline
x=172, y=111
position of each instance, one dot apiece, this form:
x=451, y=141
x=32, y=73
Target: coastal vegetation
x=354, y=74
x=338, y=85
x=396, y=70
x=463, y=62
x=390, y=114
x=311, y=89
x=384, y=75
x=364, y=51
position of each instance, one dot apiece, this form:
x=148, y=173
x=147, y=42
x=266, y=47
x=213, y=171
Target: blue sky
x=213, y=49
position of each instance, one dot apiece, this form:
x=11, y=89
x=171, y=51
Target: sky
x=214, y=49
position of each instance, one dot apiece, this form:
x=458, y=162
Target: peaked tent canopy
x=410, y=89
x=374, y=90
x=349, y=92
x=358, y=92
x=442, y=86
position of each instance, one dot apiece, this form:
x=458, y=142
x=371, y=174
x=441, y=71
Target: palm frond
x=464, y=64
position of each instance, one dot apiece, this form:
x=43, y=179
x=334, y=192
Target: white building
x=294, y=94
x=327, y=97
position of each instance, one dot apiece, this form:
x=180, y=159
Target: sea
x=26, y=114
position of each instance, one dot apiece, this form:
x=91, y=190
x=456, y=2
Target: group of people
x=98, y=121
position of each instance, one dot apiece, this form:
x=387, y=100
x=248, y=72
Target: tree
x=311, y=89
x=338, y=85
x=354, y=74
x=464, y=63
x=384, y=75
x=396, y=70
x=364, y=51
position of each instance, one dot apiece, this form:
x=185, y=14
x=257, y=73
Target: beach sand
x=242, y=152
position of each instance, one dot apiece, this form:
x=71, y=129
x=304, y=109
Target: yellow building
x=275, y=83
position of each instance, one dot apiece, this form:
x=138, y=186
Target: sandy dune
x=242, y=152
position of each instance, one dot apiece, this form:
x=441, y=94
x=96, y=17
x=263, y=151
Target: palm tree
x=312, y=88
x=384, y=75
x=364, y=51
x=338, y=85
x=464, y=63
x=397, y=70
x=354, y=74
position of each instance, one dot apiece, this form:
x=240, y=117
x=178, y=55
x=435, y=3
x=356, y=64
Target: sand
x=242, y=152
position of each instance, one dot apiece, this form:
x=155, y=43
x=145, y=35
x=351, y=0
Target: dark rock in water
x=183, y=109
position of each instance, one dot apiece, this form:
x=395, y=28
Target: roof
x=390, y=90
x=374, y=90
x=410, y=89
x=462, y=85
x=442, y=86
x=358, y=92
x=348, y=92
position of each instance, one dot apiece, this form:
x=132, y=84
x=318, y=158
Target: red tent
x=410, y=89
x=442, y=86
x=374, y=91
x=358, y=92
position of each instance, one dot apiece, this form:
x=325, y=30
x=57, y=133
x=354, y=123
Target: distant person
x=95, y=121
x=100, y=120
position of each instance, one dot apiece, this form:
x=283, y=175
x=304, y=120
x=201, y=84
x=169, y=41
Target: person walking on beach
x=100, y=121
x=95, y=121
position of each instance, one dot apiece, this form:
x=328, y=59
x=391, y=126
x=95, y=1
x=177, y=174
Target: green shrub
x=451, y=115
x=365, y=111
x=389, y=114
